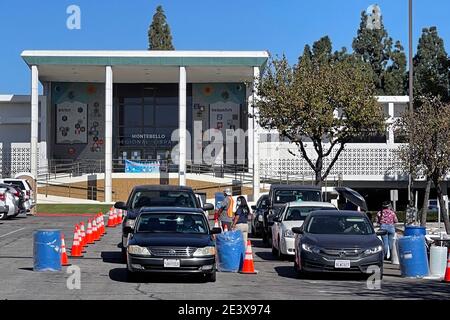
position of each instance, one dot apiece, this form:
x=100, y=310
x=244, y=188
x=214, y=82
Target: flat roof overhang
x=146, y=66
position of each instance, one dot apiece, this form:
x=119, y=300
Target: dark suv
x=155, y=196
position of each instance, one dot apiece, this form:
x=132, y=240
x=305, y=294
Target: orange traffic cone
x=89, y=235
x=116, y=217
x=102, y=224
x=120, y=216
x=216, y=223
x=75, y=251
x=80, y=239
x=83, y=235
x=447, y=271
x=64, y=258
x=94, y=230
x=225, y=229
x=248, y=267
x=110, y=219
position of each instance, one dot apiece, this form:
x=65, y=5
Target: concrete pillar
x=255, y=144
x=182, y=127
x=390, y=133
x=108, y=132
x=34, y=122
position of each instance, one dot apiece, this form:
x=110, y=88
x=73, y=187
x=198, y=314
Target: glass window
x=339, y=224
x=149, y=115
x=399, y=109
x=163, y=199
x=166, y=115
x=300, y=213
x=172, y=223
x=284, y=196
x=132, y=115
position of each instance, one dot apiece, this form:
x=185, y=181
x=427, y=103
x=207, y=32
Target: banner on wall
x=139, y=167
x=71, y=122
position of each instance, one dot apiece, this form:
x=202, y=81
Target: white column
x=255, y=139
x=390, y=136
x=182, y=127
x=34, y=121
x=108, y=133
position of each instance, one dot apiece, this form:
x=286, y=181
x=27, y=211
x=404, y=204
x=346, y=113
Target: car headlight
x=373, y=250
x=289, y=233
x=310, y=248
x=130, y=223
x=206, y=251
x=133, y=249
x=260, y=218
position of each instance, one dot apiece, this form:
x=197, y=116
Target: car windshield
x=16, y=183
x=339, y=224
x=284, y=196
x=157, y=198
x=300, y=213
x=172, y=223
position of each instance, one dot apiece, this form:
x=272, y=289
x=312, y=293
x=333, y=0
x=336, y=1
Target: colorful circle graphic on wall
x=208, y=90
x=71, y=151
x=91, y=89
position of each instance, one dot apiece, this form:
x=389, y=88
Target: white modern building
x=99, y=108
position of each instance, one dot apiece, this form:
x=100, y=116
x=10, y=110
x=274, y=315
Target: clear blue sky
x=280, y=26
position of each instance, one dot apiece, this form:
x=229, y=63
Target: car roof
x=310, y=204
x=170, y=210
x=339, y=212
x=294, y=186
x=157, y=187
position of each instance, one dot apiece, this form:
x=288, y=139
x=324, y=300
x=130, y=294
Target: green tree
x=431, y=66
x=373, y=45
x=159, y=36
x=428, y=150
x=325, y=103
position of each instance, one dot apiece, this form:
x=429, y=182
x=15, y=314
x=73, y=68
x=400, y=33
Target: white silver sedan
x=292, y=215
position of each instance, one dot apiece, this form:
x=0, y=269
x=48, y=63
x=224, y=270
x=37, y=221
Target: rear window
x=284, y=196
x=157, y=198
x=172, y=223
x=300, y=213
x=16, y=183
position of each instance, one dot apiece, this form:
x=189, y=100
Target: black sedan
x=172, y=240
x=337, y=241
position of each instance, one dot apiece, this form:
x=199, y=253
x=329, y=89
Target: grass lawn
x=72, y=208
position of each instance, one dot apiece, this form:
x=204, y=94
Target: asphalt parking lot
x=103, y=276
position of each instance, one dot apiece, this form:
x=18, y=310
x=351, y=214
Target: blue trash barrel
x=230, y=251
x=415, y=231
x=47, y=250
x=413, y=256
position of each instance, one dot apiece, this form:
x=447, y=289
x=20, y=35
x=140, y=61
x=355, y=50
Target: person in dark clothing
x=240, y=221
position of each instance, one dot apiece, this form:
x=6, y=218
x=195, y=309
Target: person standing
x=240, y=221
x=225, y=211
x=387, y=220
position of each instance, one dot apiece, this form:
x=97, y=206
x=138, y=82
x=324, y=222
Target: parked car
x=28, y=194
x=257, y=218
x=293, y=215
x=172, y=240
x=155, y=196
x=11, y=200
x=279, y=195
x=337, y=241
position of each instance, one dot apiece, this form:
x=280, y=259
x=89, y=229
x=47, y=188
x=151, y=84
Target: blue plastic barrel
x=47, y=250
x=413, y=256
x=415, y=231
x=230, y=251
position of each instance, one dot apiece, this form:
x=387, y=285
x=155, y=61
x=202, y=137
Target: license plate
x=342, y=264
x=171, y=263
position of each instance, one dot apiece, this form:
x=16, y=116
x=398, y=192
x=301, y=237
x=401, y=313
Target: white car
x=8, y=203
x=292, y=215
x=29, y=199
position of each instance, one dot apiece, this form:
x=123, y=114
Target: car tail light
x=17, y=193
x=2, y=197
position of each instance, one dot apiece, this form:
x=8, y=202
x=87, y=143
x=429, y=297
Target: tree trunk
x=424, y=210
x=442, y=205
x=318, y=171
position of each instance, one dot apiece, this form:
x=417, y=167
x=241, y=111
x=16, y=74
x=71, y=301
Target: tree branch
x=335, y=158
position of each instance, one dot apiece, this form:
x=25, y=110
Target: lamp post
x=411, y=80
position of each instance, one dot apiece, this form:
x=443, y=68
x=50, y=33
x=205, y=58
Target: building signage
x=141, y=167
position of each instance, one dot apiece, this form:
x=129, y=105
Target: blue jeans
x=388, y=239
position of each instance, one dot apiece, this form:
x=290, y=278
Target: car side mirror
x=128, y=229
x=216, y=230
x=297, y=230
x=120, y=205
x=208, y=206
x=253, y=207
x=382, y=232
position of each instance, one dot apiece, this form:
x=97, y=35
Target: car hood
x=171, y=239
x=332, y=241
x=292, y=224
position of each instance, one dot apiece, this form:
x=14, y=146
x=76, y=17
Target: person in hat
x=225, y=212
x=240, y=221
x=387, y=220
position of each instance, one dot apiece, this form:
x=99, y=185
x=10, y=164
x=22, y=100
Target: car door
x=276, y=227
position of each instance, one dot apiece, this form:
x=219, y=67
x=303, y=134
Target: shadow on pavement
x=289, y=272
x=266, y=256
x=112, y=257
x=258, y=243
x=120, y=275
x=27, y=269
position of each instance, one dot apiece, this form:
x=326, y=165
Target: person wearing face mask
x=240, y=221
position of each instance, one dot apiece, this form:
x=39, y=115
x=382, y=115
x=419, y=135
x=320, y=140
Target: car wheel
x=280, y=254
x=3, y=216
x=124, y=255
x=211, y=277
